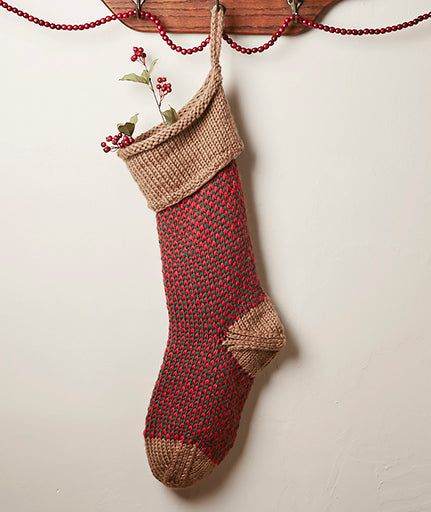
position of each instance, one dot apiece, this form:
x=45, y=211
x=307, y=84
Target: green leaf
x=152, y=66
x=129, y=127
x=145, y=77
x=134, y=119
x=170, y=116
x=126, y=128
x=133, y=77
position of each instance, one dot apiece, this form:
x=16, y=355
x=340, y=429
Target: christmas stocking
x=222, y=326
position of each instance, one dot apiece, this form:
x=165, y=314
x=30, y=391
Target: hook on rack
x=295, y=5
x=219, y=6
x=139, y=5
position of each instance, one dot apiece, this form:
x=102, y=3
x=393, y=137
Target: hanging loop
x=295, y=5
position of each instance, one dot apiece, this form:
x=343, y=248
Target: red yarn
x=210, y=281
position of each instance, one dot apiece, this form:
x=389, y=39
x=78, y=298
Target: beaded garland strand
x=233, y=44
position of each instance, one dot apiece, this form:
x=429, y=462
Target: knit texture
x=222, y=326
x=169, y=162
x=222, y=330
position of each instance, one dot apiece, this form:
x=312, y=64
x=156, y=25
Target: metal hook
x=219, y=6
x=295, y=5
x=139, y=4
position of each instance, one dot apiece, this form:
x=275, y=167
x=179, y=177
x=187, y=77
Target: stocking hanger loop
x=216, y=35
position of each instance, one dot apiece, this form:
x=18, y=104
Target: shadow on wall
x=215, y=481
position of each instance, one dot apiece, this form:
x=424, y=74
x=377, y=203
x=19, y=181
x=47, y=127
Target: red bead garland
x=57, y=26
x=259, y=49
x=365, y=31
x=233, y=44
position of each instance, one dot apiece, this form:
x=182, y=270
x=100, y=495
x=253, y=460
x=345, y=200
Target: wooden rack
x=242, y=16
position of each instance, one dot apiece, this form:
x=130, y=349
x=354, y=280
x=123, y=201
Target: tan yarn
x=170, y=162
x=254, y=340
x=256, y=337
x=176, y=464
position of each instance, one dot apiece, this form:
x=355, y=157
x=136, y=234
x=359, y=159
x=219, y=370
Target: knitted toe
x=177, y=464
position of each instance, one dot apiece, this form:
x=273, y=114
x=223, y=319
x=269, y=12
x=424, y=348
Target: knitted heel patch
x=177, y=464
x=256, y=337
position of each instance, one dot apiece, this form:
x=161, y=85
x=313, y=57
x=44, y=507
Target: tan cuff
x=170, y=162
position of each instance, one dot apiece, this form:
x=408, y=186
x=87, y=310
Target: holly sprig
x=124, y=136
x=159, y=91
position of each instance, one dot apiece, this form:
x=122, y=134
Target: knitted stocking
x=222, y=327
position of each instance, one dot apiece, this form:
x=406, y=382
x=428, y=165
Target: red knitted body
x=210, y=281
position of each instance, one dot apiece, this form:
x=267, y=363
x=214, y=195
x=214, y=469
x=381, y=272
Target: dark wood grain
x=242, y=16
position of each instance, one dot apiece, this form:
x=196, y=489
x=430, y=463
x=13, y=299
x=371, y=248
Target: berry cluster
x=163, y=86
x=138, y=54
x=116, y=142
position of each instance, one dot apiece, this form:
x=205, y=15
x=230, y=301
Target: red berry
x=133, y=58
x=109, y=138
x=106, y=150
x=103, y=144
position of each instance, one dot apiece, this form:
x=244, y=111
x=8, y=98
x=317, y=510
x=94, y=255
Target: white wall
x=338, y=183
